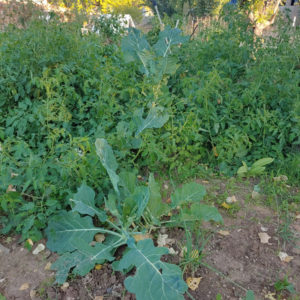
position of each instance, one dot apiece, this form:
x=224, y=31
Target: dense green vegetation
x=225, y=97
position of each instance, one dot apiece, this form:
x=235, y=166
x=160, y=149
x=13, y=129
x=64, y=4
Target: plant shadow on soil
x=240, y=256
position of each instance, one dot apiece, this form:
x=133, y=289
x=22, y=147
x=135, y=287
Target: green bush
x=229, y=98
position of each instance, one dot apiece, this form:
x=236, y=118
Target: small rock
x=3, y=250
x=38, y=249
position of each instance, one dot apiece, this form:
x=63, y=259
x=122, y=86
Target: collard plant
x=121, y=217
x=156, y=60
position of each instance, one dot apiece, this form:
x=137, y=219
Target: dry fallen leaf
x=298, y=217
x=263, y=228
x=98, y=298
x=172, y=251
x=33, y=294
x=98, y=267
x=225, y=205
x=224, y=232
x=285, y=257
x=99, y=237
x=140, y=237
x=163, y=240
x=231, y=199
x=270, y=296
x=24, y=286
x=193, y=282
x=264, y=237
x=38, y=249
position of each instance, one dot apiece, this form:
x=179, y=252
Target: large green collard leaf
x=66, y=227
x=82, y=260
x=135, y=47
x=156, y=206
x=199, y=212
x=167, y=38
x=155, y=119
x=108, y=160
x=189, y=192
x=84, y=201
x=153, y=279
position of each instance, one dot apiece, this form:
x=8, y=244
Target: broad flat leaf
x=128, y=181
x=84, y=201
x=82, y=260
x=155, y=119
x=108, y=161
x=250, y=295
x=199, y=212
x=262, y=162
x=189, y=192
x=156, y=206
x=66, y=227
x=167, y=38
x=153, y=279
x=111, y=204
x=133, y=45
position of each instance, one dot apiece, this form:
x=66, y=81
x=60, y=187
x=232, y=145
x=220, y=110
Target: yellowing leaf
x=264, y=237
x=140, y=237
x=284, y=257
x=224, y=232
x=98, y=267
x=48, y=266
x=225, y=205
x=193, y=282
x=216, y=154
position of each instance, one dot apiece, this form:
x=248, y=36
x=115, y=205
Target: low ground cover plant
x=218, y=100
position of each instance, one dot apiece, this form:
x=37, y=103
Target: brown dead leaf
x=285, y=257
x=24, y=286
x=264, y=237
x=33, y=294
x=231, y=199
x=224, y=232
x=48, y=266
x=140, y=237
x=99, y=237
x=298, y=216
x=193, y=282
x=98, y=298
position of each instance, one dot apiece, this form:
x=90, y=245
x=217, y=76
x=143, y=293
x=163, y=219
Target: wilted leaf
x=193, y=282
x=166, y=279
x=98, y=267
x=264, y=237
x=163, y=240
x=48, y=266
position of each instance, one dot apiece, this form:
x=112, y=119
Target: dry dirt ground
x=240, y=261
